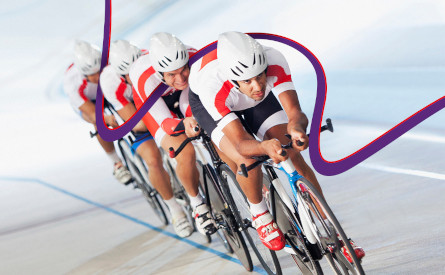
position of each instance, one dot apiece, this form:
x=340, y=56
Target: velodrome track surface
x=62, y=212
x=74, y=218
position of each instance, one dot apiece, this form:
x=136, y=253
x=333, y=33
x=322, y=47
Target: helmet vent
x=238, y=69
x=234, y=72
x=242, y=65
x=177, y=55
x=254, y=61
x=160, y=64
x=167, y=59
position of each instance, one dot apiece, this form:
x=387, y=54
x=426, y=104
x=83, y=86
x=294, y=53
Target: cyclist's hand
x=191, y=125
x=300, y=140
x=273, y=150
x=110, y=120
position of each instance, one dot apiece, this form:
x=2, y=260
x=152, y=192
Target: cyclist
x=117, y=88
x=237, y=79
x=167, y=62
x=80, y=83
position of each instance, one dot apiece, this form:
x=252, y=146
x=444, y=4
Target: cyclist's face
x=93, y=78
x=254, y=87
x=178, y=79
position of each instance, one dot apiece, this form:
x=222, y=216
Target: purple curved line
x=321, y=165
x=334, y=168
x=114, y=134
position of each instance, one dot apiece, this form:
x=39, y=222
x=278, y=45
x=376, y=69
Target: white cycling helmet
x=87, y=57
x=123, y=55
x=167, y=53
x=240, y=57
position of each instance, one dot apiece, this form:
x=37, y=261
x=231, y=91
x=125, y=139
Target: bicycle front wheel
x=267, y=258
x=227, y=216
x=304, y=254
x=329, y=235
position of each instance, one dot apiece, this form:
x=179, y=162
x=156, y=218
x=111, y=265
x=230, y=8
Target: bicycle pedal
x=289, y=250
x=330, y=248
x=247, y=223
x=128, y=182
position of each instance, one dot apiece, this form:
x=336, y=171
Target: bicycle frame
x=279, y=188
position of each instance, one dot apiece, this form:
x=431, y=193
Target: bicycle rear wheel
x=329, y=236
x=208, y=180
x=227, y=217
x=140, y=176
x=266, y=257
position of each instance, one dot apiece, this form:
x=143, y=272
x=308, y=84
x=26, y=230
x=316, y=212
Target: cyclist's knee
x=154, y=164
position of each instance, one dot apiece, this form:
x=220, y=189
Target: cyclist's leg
x=251, y=185
x=157, y=174
x=160, y=179
x=267, y=229
x=120, y=172
x=179, y=220
x=188, y=175
x=186, y=169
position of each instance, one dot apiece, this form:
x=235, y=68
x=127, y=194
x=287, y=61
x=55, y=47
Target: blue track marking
x=133, y=219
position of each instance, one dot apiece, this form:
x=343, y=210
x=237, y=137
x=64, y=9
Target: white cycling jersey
x=220, y=97
x=78, y=89
x=115, y=89
x=145, y=81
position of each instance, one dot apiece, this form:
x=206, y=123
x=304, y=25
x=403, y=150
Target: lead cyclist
x=238, y=78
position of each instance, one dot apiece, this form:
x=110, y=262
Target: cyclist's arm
x=298, y=121
x=88, y=113
x=248, y=146
x=127, y=112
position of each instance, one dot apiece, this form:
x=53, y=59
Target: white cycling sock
x=114, y=157
x=258, y=208
x=174, y=207
x=195, y=201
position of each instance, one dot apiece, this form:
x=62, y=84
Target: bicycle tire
x=328, y=238
x=289, y=223
x=208, y=174
x=149, y=193
x=267, y=258
x=229, y=213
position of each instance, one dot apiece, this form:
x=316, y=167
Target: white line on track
x=411, y=172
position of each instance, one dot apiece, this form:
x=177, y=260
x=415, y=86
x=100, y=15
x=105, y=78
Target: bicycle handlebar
x=245, y=169
x=172, y=153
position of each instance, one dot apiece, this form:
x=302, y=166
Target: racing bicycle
x=218, y=179
x=310, y=227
